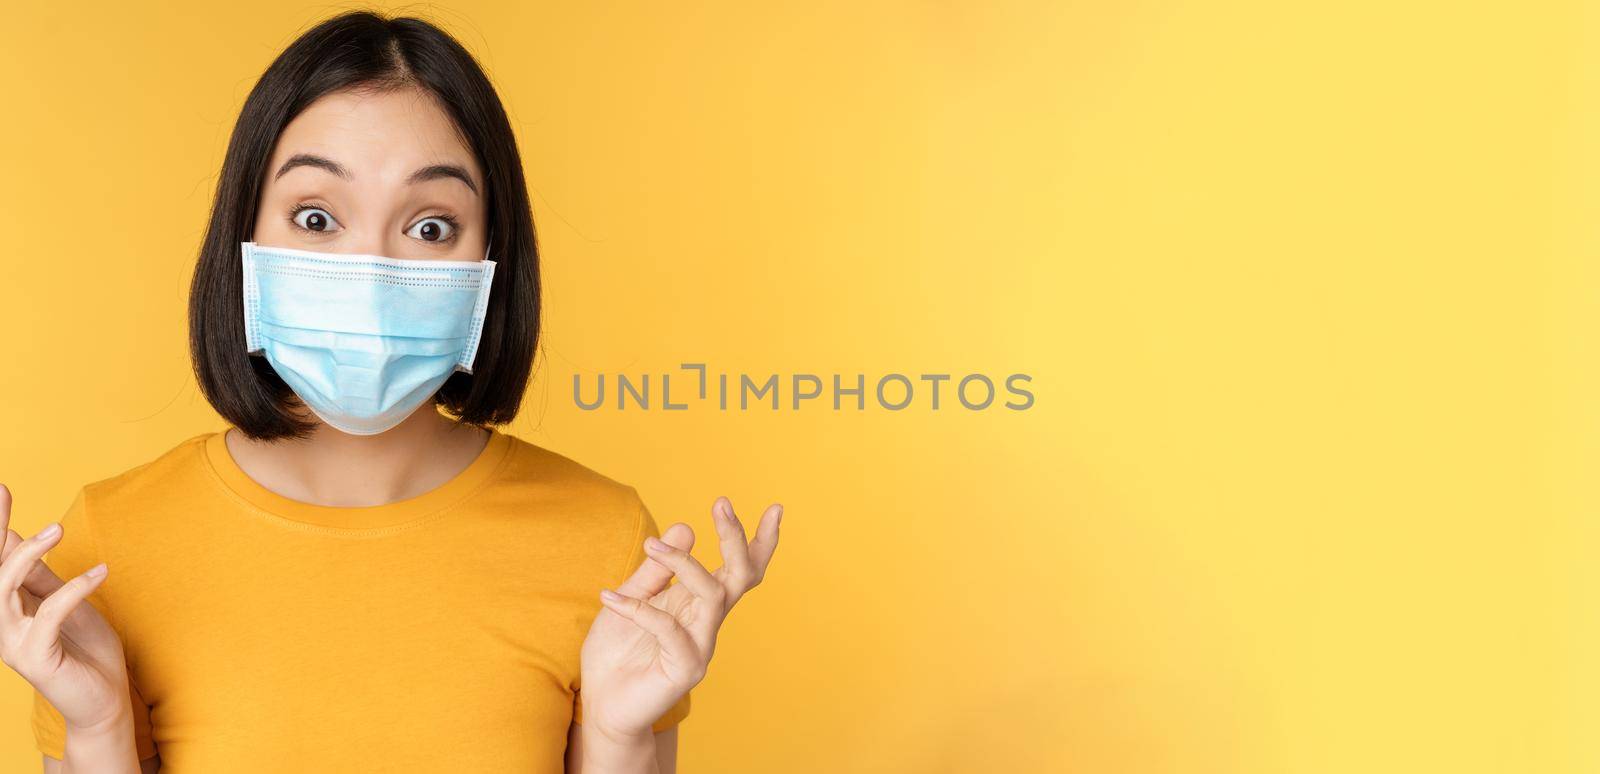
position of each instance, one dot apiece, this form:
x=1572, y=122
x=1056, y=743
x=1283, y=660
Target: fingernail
x=653, y=544
x=97, y=571
x=50, y=531
x=610, y=596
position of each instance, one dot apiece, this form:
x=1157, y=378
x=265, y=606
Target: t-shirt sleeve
x=636, y=556
x=76, y=552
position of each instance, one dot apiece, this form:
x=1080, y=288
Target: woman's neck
x=337, y=469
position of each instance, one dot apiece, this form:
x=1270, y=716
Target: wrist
x=600, y=723
x=103, y=746
x=623, y=737
x=117, y=722
x=609, y=750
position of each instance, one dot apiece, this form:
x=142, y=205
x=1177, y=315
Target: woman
x=346, y=579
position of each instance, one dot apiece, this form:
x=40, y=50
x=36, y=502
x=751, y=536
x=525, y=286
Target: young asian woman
x=362, y=572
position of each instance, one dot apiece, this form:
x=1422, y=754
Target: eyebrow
x=432, y=172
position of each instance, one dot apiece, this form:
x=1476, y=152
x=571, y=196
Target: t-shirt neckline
x=357, y=518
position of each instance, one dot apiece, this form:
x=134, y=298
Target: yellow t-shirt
x=438, y=633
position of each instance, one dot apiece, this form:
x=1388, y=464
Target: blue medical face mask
x=362, y=339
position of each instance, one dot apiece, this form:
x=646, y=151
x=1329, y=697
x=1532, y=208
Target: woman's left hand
x=652, y=642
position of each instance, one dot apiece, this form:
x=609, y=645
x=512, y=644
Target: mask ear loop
x=480, y=308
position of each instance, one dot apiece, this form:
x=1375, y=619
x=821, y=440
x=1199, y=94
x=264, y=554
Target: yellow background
x=1308, y=294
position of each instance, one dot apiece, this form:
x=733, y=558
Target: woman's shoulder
x=559, y=475
x=528, y=474
x=601, y=521
x=176, y=467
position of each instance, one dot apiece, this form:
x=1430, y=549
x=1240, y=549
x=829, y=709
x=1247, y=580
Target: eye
x=434, y=229
x=313, y=219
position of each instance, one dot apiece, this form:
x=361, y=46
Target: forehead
x=376, y=135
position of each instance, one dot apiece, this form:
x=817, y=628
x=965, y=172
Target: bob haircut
x=362, y=50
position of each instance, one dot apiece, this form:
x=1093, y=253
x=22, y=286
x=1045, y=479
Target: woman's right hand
x=53, y=638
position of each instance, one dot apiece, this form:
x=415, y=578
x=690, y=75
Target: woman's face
x=376, y=174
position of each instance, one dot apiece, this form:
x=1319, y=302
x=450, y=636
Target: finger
x=5, y=506
x=43, y=581
x=55, y=608
x=690, y=572
x=650, y=578
x=12, y=541
x=766, y=541
x=738, y=572
x=679, y=650
x=20, y=563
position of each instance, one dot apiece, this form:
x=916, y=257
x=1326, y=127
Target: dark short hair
x=363, y=50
